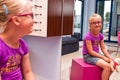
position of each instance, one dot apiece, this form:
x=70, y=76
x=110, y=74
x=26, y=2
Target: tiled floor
x=67, y=60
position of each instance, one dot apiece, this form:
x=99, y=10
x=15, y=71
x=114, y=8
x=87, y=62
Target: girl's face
x=96, y=25
x=26, y=22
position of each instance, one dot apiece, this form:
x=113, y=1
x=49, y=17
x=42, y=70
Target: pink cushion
x=83, y=71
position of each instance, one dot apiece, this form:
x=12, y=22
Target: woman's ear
x=16, y=20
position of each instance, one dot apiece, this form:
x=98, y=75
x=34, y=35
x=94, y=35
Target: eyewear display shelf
x=52, y=17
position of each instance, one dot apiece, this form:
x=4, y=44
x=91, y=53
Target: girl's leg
x=106, y=69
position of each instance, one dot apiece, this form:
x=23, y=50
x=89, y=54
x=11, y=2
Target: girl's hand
x=106, y=59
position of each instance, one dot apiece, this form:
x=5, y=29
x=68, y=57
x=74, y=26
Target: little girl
x=92, y=40
x=15, y=22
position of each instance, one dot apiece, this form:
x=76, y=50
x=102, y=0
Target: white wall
x=45, y=56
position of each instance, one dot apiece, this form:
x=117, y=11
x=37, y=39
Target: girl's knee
x=107, y=67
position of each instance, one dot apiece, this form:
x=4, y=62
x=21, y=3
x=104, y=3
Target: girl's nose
x=97, y=24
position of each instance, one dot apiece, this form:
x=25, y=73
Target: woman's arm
x=26, y=67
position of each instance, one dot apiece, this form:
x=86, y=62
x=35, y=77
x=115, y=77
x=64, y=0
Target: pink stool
x=83, y=71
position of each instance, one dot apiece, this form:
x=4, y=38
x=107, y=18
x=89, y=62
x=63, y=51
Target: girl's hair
x=10, y=7
x=92, y=16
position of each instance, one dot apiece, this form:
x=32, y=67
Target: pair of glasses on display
x=36, y=22
x=38, y=14
x=37, y=6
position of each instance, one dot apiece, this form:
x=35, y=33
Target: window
x=104, y=9
x=78, y=10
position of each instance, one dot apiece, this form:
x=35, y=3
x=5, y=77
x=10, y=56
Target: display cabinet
x=52, y=17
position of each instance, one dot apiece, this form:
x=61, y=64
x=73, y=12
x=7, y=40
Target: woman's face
x=96, y=24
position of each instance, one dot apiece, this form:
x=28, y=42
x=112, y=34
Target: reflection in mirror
x=67, y=49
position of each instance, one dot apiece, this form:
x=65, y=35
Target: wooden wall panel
x=54, y=17
x=68, y=9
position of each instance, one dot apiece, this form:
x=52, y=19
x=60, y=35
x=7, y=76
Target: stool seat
x=83, y=71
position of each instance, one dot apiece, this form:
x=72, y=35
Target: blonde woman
x=91, y=43
x=15, y=22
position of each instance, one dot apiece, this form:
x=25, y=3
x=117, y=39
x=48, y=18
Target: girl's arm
x=104, y=50
x=26, y=67
x=0, y=77
x=93, y=53
x=90, y=49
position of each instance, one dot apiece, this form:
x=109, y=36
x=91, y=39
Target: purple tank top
x=10, y=60
x=94, y=40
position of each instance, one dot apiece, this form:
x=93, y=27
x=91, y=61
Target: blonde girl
x=15, y=22
x=91, y=43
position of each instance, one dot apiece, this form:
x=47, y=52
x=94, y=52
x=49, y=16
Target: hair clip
x=5, y=9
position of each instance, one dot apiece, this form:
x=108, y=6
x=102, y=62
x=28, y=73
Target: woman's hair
x=92, y=16
x=11, y=7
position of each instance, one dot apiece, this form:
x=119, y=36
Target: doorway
x=109, y=9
